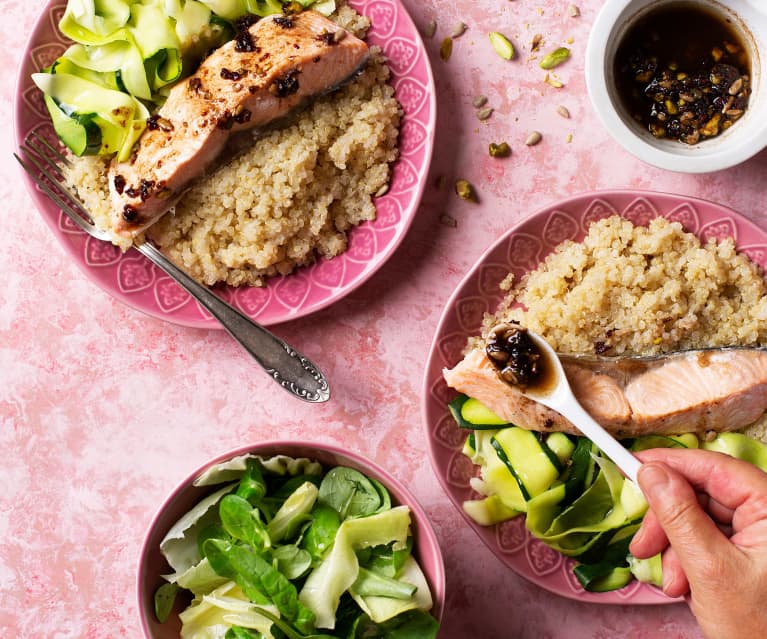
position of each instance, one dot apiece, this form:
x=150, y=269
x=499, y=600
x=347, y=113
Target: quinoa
x=290, y=197
x=634, y=289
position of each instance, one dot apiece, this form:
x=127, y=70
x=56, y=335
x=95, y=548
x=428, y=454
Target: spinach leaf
x=292, y=561
x=252, y=486
x=237, y=632
x=385, y=560
x=349, y=492
x=259, y=580
x=383, y=494
x=372, y=584
x=211, y=531
x=290, y=633
x=318, y=538
x=243, y=522
x=289, y=487
x=164, y=598
x=414, y=624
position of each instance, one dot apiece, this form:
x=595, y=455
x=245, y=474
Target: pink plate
x=132, y=279
x=520, y=250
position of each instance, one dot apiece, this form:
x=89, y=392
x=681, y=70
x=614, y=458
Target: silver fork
x=285, y=365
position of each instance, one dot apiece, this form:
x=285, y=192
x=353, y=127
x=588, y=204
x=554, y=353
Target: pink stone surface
x=104, y=410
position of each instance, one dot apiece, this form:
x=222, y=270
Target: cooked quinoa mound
x=290, y=198
x=633, y=289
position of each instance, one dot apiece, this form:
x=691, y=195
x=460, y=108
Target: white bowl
x=744, y=139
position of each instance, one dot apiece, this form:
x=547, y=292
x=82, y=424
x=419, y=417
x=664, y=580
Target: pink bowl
x=152, y=564
x=135, y=281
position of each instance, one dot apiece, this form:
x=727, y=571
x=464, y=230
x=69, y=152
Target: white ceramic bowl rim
x=741, y=142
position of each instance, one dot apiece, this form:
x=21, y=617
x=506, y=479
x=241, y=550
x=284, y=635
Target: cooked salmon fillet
x=269, y=69
x=710, y=391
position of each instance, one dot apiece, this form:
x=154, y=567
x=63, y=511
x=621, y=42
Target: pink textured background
x=103, y=409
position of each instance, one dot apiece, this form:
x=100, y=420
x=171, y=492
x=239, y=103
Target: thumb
x=692, y=534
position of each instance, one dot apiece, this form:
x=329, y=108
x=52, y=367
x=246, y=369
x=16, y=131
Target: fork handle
x=289, y=368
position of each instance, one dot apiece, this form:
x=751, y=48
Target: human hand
x=721, y=568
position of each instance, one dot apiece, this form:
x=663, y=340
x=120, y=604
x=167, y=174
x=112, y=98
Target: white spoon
x=553, y=390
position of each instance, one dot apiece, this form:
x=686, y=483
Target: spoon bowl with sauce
x=525, y=360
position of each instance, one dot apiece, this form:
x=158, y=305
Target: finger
x=731, y=482
x=690, y=531
x=650, y=539
x=675, y=583
x=719, y=513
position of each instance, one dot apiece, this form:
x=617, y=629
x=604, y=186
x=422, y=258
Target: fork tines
x=43, y=156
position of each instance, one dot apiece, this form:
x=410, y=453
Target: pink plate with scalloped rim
x=132, y=279
x=520, y=250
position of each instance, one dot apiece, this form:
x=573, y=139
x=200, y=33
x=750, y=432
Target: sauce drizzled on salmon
x=272, y=67
x=696, y=393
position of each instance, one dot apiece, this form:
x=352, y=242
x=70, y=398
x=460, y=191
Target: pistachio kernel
x=484, y=113
x=446, y=49
x=555, y=58
x=465, y=191
x=500, y=150
x=533, y=138
x=501, y=45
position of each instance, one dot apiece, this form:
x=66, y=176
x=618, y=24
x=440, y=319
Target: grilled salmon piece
x=267, y=71
x=704, y=391
x=717, y=391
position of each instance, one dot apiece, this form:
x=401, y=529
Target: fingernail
x=668, y=581
x=653, y=478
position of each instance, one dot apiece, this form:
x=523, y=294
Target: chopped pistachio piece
x=533, y=138
x=484, y=113
x=448, y=220
x=553, y=81
x=458, y=30
x=446, y=49
x=479, y=101
x=555, y=58
x=502, y=45
x=430, y=29
x=465, y=190
x=500, y=150
x=573, y=10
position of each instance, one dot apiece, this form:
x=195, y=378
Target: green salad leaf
x=137, y=49
x=581, y=506
x=265, y=557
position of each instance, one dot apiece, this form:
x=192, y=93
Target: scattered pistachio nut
x=500, y=150
x=465, y=190
x=574, y=11
x=479, y=101
x=484, y=113
x=458, y=30
x=553, y=81
x=533, y=138
x=563, y=111
x=536, y=42
x=430, y=29
x=569, y=138
x=555, y=58
x=446, y=49
x=502, y=45
x=448, y=220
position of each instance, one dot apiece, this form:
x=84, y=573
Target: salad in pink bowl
x=519, y=251
x=307, y=538
x=132, y=279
